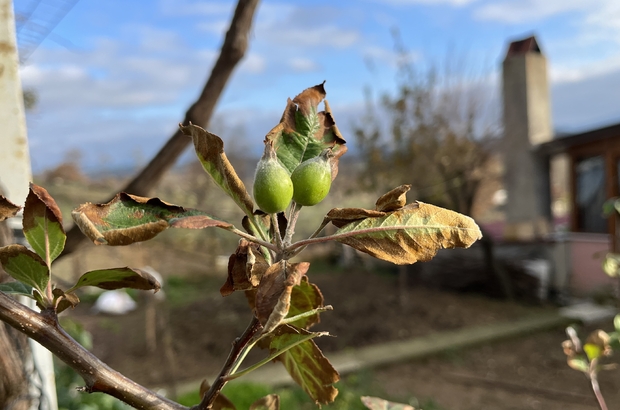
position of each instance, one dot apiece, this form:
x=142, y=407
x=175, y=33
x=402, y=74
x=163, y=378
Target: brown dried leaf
x=198, y=222
x=270, y=402
x=7, y=209
x=65, y=300
x=344, y=216
x=413, y=233
x=245, y=268
x=273, y=296
x=40, y=202
x=393, y=200
x=600, y=341
x=43, y=224
x=210, y=151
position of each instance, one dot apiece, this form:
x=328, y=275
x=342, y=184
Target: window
x=590, y=194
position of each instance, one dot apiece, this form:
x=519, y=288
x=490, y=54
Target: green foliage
x=25, y=266
x=16, y=288
x=118, y=278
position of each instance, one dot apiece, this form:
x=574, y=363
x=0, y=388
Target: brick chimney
x=527, y=123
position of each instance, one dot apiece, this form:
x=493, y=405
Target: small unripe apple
x=273, y=188
x=312, y=180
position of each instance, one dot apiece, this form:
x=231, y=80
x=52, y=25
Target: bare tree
x=435, y=133
x=432, y=134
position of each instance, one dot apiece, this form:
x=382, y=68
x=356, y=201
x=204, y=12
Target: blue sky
x=116, y=76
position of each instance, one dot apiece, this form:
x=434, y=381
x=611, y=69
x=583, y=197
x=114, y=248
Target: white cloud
x=428, y=2
x=253, y=63
x=385, y=56
x=590, y=102
x=583, y=53
x=330, y=36
x=113, y=97
x=301, y=64
x=574, y=73
x=218, y=27
x=304, y=27
x=525, y=11
x=193, y=8
x=596, y=20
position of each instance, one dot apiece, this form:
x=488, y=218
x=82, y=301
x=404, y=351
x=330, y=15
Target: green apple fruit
x=273, y=188
x=312, y=179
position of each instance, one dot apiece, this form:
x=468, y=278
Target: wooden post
x=15, y=174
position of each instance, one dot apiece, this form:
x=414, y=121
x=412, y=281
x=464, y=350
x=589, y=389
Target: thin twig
x=290, y=229
x=235, y=352
x=253, y=238
x=276, y=231
x=595, y=386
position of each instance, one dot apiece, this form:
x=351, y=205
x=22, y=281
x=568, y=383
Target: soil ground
x=525, y=373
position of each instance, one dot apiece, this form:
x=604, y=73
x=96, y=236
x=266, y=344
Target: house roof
x=562, y=144
x=524, y=46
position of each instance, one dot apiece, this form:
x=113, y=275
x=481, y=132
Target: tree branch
x=232, y=51
x=99, y=377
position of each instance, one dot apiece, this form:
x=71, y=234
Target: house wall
x=585, y=257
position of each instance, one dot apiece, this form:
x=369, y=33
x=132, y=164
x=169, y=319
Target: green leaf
x=617, y=323
x=305, y=297
x=210, y=151
x=413, y=233
x=611, y=264
x=610, y=206
x=25, y=266
x=43, y=224
x=592, y=351
x=118, y=278
x=129, y=218
x=7, y=209
x=304, y=132
x=579, y=363
x=306, y=363
x=16, y=288
x=375, y=403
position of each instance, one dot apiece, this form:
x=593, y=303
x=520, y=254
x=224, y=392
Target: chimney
x=527, y=123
